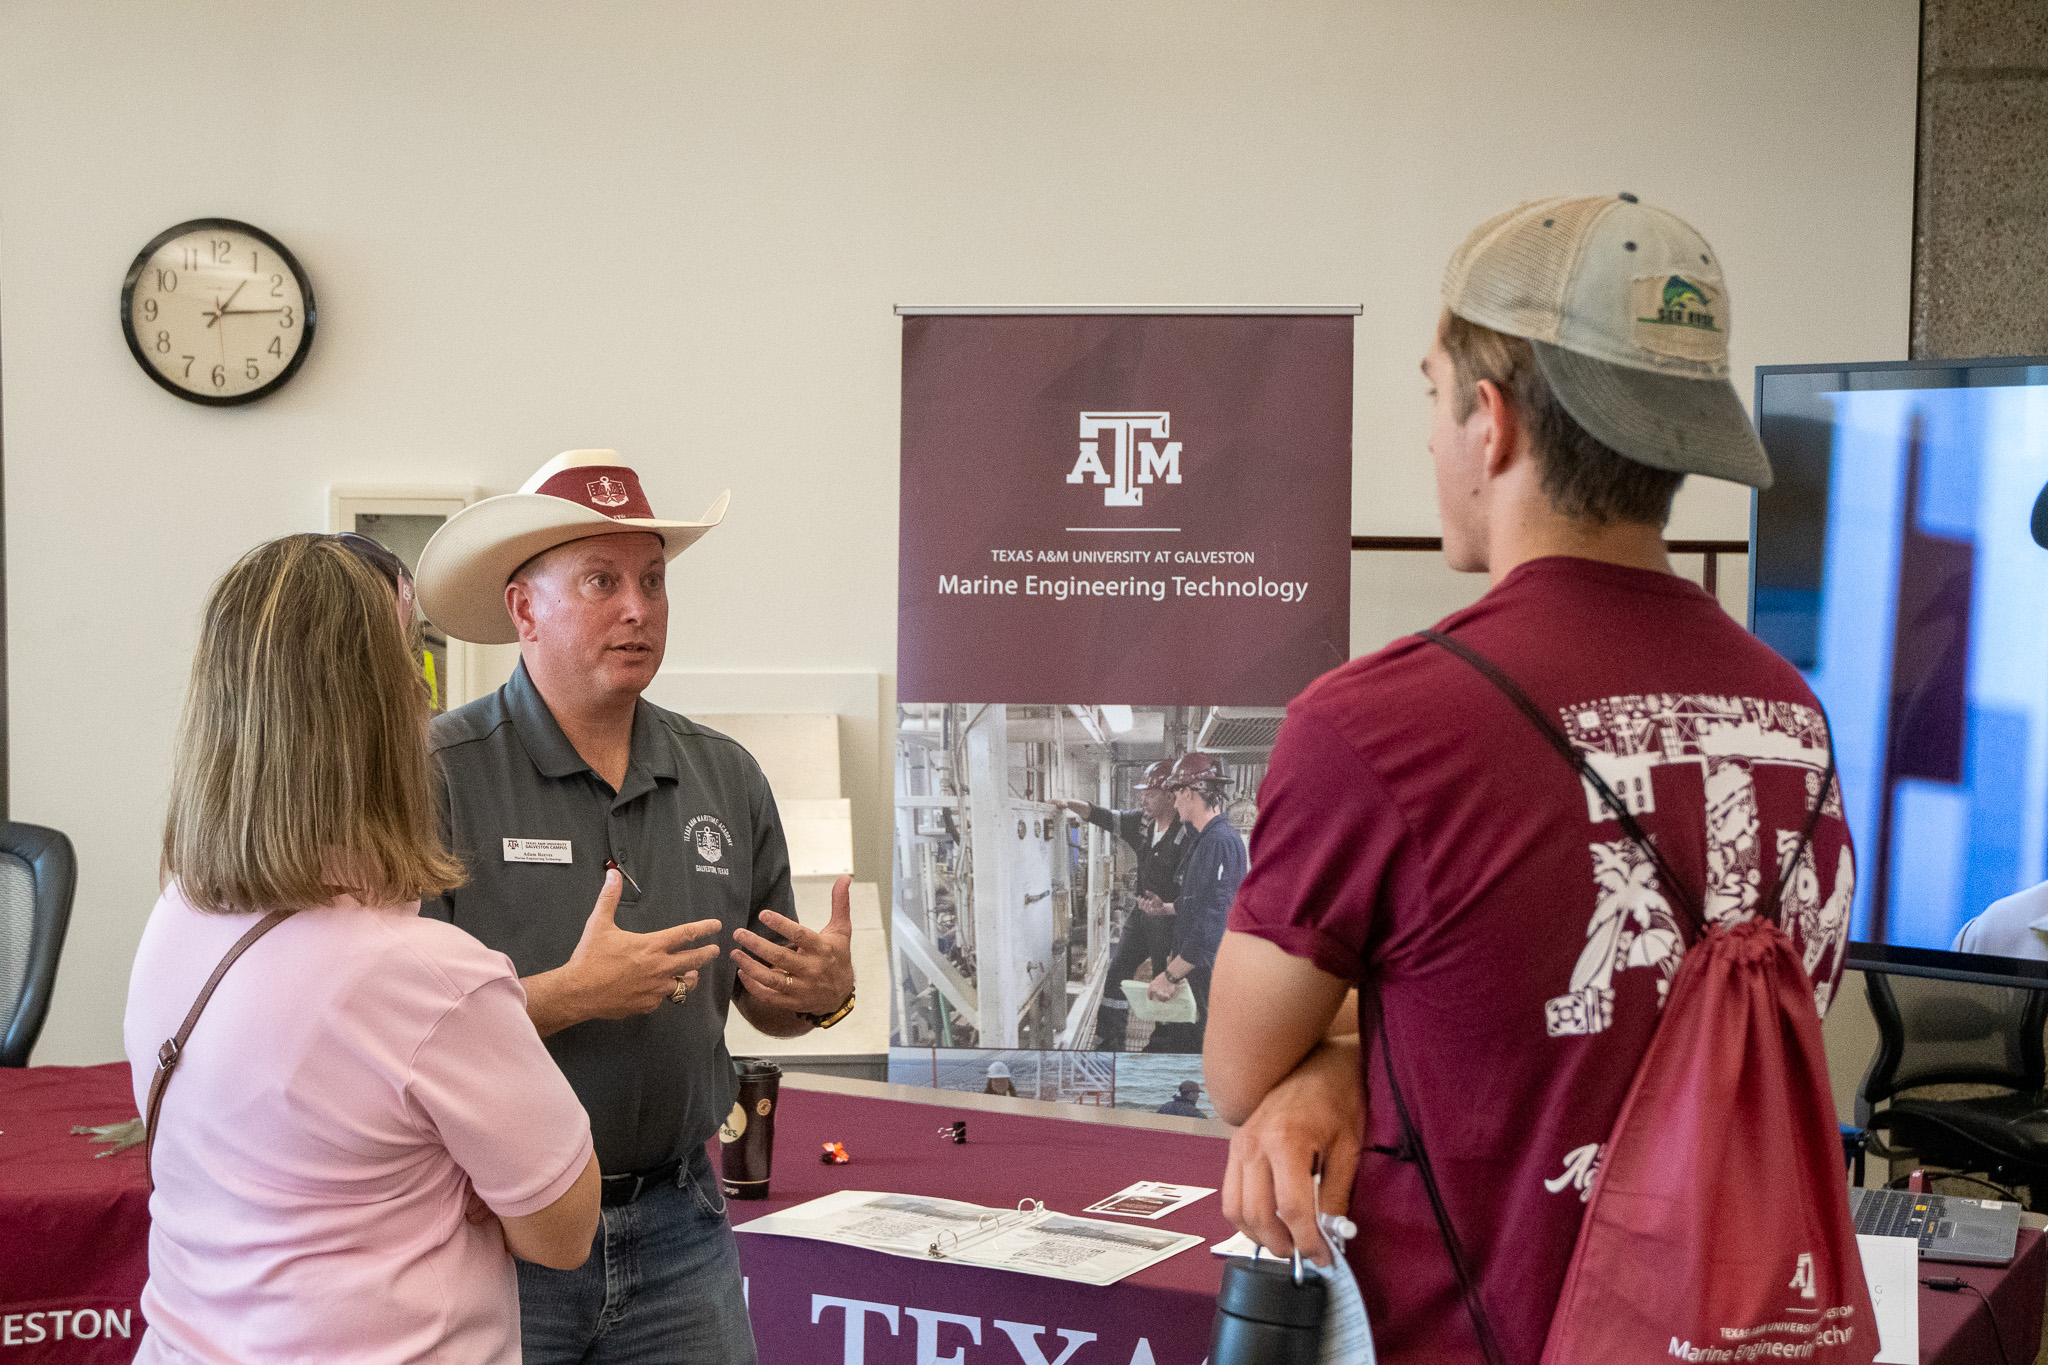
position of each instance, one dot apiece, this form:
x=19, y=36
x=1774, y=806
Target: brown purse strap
x=174, y=1047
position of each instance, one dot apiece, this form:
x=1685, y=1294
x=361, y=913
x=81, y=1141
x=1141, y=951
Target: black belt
x=614, y=1190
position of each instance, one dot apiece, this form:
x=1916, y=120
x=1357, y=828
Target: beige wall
x=678, y=229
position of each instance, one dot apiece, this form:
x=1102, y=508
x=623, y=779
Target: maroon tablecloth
x=74, y=1228
x=74, y=1240
x=798, y=1290
x=1955, y=1329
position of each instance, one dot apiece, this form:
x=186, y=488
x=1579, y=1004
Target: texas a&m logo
x=606, y=491
x=1802, y=1275
x=1136, y=462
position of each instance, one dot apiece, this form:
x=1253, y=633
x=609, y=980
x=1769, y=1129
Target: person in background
x=1183, y=1104
x=564, y=781
x=362, y=1078
x=1421, y=846
x=2016, y=926
x=999, y=1082
x=1159, y=838
x=1213, y=868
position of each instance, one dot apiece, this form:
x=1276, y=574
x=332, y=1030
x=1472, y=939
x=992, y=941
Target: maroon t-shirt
x=1417, y=835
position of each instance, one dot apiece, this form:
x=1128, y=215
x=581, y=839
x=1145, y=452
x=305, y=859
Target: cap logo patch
x=607, y=492
x=1681, y=318
x=1684, y=304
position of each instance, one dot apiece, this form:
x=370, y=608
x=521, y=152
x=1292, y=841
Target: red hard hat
x=1196, y=770
x=1154, y=778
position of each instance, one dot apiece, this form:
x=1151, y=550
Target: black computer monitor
x=1895, y=566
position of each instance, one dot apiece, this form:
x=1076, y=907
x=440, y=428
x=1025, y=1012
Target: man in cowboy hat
x=1210, y=872
x=565, y=788
x=1159, y=838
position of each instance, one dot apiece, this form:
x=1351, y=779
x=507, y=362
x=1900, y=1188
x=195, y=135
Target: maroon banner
x=1117, y=508
x=1125, y=548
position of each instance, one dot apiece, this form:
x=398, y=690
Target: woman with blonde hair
x=351, y=1125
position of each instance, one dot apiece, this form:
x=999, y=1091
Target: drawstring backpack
x=1717, y=1227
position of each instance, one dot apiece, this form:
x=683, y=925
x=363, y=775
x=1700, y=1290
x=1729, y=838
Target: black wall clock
x=217, y=311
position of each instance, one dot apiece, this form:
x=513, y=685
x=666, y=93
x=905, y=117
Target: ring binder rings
x=1027, y=1212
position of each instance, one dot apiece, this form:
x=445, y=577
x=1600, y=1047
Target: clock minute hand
x=240, y=311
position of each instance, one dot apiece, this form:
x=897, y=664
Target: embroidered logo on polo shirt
x=710, y=838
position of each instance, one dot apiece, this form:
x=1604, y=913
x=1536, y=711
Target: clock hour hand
x=221, y=309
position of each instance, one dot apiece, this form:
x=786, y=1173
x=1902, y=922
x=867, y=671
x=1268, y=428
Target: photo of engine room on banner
x=1064, y=874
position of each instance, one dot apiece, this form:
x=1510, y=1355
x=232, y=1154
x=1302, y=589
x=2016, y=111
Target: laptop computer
x=1948, y=1228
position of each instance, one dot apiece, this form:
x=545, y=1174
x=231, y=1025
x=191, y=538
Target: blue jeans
x=661, y=1287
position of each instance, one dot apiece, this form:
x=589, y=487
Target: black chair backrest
x=1939, y=1032
x=38, y=873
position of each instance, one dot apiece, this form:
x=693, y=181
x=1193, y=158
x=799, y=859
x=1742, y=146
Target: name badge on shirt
x=537, y=851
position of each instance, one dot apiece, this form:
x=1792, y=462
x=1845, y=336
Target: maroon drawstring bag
x=1724, y=1172
x=1717, y=1227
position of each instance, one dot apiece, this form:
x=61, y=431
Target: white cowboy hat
x=578, y=494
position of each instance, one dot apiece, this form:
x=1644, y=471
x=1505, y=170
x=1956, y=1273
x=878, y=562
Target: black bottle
x=1263, y=1317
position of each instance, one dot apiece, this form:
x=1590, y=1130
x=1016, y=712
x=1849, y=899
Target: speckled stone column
x=1980, y=231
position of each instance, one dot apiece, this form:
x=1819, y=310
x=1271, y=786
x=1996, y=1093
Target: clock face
x=217, y=311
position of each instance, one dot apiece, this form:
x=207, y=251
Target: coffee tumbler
x=1263, y=1317
x=746, y=1144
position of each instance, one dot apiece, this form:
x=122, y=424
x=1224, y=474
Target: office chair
x=1938, y=1032
x=38, y=873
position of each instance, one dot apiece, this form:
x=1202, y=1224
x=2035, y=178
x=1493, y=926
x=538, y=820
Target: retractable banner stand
x=1124, y=546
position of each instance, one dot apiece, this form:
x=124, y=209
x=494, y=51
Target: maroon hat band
x=611, y=489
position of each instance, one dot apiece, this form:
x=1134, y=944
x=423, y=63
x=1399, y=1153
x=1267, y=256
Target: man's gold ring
x=787, y=981
x=681, y=992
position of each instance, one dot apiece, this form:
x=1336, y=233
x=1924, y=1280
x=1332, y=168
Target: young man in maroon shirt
x=1420, y=843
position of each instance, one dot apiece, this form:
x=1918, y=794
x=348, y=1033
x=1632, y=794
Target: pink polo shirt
x=356, y=1071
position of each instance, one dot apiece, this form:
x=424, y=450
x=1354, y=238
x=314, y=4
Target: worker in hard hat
x=999, y=1082
x=1156, y=833
x=1215, y=864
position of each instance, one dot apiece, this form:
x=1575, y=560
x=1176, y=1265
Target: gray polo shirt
x=694, y=825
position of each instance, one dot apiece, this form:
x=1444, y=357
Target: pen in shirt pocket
x=611, y=866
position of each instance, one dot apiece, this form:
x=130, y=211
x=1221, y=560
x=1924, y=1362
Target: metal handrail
x=1710, y=551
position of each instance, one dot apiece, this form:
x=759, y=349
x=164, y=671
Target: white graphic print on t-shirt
x=1581, y=1164
x=1633, y=926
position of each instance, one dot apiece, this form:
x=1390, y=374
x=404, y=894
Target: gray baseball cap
x=1628, y=314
